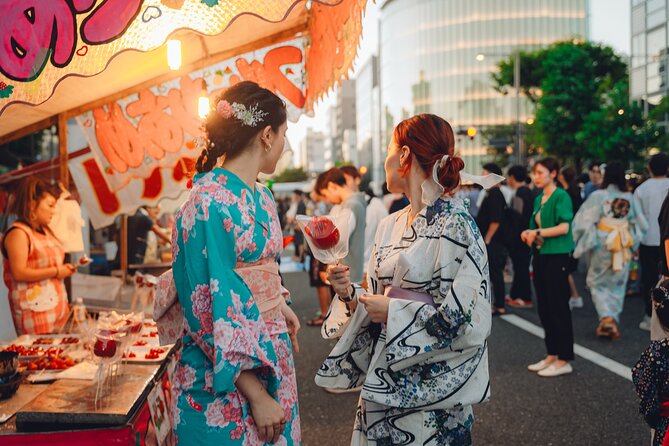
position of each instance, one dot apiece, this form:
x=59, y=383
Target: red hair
x=430, y=138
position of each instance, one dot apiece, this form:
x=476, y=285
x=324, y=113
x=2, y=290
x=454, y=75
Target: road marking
x=585, y=353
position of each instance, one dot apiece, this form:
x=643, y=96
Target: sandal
x=315, y=322
x=607, y=328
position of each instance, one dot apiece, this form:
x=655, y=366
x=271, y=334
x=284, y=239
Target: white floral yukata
x=424, y=369
x=225, y=248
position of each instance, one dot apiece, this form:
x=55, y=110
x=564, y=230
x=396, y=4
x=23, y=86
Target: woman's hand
x=268, y=417
x=339, y=277
x=65, y=270
x=528, y=236
x=376, y=306
x=293, y=323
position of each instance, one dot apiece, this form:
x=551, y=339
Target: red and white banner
x=104, y=205
x=144, y=145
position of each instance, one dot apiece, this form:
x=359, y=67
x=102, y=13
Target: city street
x=594, y=405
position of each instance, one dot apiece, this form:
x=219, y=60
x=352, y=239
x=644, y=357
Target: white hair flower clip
x=251, y=116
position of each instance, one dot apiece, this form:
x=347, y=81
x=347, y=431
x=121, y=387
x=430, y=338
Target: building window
x=638, y=82
x=638, y=20
x=638, y=50
x=656, y=18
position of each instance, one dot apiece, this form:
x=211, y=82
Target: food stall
x=135, y=75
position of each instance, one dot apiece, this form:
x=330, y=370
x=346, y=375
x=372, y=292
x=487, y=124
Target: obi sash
x=264, y=281
x=618, y=241
x=401, y=293
x=262, y=278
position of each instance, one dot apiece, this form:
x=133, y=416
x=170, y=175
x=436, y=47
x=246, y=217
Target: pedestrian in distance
x=650, y=195
x=518, y=216
x=608, y=227
x=550, y=237
x=333, y=186
x=490, y=220
x=568, y=181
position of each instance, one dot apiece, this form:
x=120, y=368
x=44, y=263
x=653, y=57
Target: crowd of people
x=410, y=305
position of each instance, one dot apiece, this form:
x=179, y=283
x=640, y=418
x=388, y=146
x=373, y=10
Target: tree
x=566, y=81
x=618, y=129
x=290, y=175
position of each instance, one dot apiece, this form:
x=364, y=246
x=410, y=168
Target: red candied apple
x=323, y=232
x=105, y=348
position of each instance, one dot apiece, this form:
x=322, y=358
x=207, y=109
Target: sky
x=609, y=24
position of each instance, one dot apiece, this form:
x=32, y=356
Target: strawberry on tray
x=48, y=362
x=24, y=351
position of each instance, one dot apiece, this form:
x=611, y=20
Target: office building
x=428, y=59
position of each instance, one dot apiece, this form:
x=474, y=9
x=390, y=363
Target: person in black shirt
x=522, y=205
x=489, y=221
x=568, y=180
x=139, y=226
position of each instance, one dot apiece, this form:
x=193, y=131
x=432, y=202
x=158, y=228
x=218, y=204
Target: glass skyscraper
x=428, y=59
x=648, y=73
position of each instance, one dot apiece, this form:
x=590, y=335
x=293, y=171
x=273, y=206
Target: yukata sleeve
x=346, y=366
x=417, y=332
x=340, y=313
x=647, y=382
x=240, y=338
x=584, y=227
x=638, y=222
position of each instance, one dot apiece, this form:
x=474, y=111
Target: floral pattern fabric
x=424, y=369
x=651, y=379
x=223, y=226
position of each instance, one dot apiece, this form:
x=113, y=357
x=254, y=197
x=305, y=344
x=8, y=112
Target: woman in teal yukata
x=234, y=383
x=609, y=226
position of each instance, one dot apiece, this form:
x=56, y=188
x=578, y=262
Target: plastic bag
x=327, y=236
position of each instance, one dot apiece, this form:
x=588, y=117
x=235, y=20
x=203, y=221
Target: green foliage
x=578, y=88
x=608, y=134
x=291, y=175
x=569, y=94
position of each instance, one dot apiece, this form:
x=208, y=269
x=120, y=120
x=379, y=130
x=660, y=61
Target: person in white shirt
x=650, y=195
x=332, y=186
x=375, y=211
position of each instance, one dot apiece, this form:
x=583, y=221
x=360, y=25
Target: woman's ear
x=267, y=133
x=405, y=154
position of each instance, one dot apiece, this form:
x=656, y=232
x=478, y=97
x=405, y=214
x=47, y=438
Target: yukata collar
x=443, y=203
x=216, y=171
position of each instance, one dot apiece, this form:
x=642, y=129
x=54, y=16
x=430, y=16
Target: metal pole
x=516, y=82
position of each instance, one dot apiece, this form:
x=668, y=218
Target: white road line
x=585, y=353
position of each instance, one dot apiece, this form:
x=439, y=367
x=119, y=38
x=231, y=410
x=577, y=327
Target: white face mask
x=432, y=189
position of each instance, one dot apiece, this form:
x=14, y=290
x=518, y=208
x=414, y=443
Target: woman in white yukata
x=609, y=226
x=417, y=341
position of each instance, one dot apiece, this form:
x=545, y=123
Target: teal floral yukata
x=226, y=239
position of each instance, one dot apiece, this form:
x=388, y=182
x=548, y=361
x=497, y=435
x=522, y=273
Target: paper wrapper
x=328, y=246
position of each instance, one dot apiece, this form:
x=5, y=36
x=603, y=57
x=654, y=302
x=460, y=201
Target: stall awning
x=70, y=56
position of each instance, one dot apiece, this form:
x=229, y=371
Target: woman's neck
x=246, y=168
x=415, y=195
x=549, y=189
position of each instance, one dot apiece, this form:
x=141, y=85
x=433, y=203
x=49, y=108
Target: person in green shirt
x=550, y=237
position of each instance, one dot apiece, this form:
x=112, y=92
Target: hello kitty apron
x=37, y=307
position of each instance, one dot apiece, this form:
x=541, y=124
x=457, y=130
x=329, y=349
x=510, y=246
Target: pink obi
x=263, y=279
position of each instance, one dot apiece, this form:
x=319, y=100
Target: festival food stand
x=105, y=65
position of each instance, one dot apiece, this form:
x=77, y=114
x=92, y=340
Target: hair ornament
x=432, y=188
x=248, y=116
